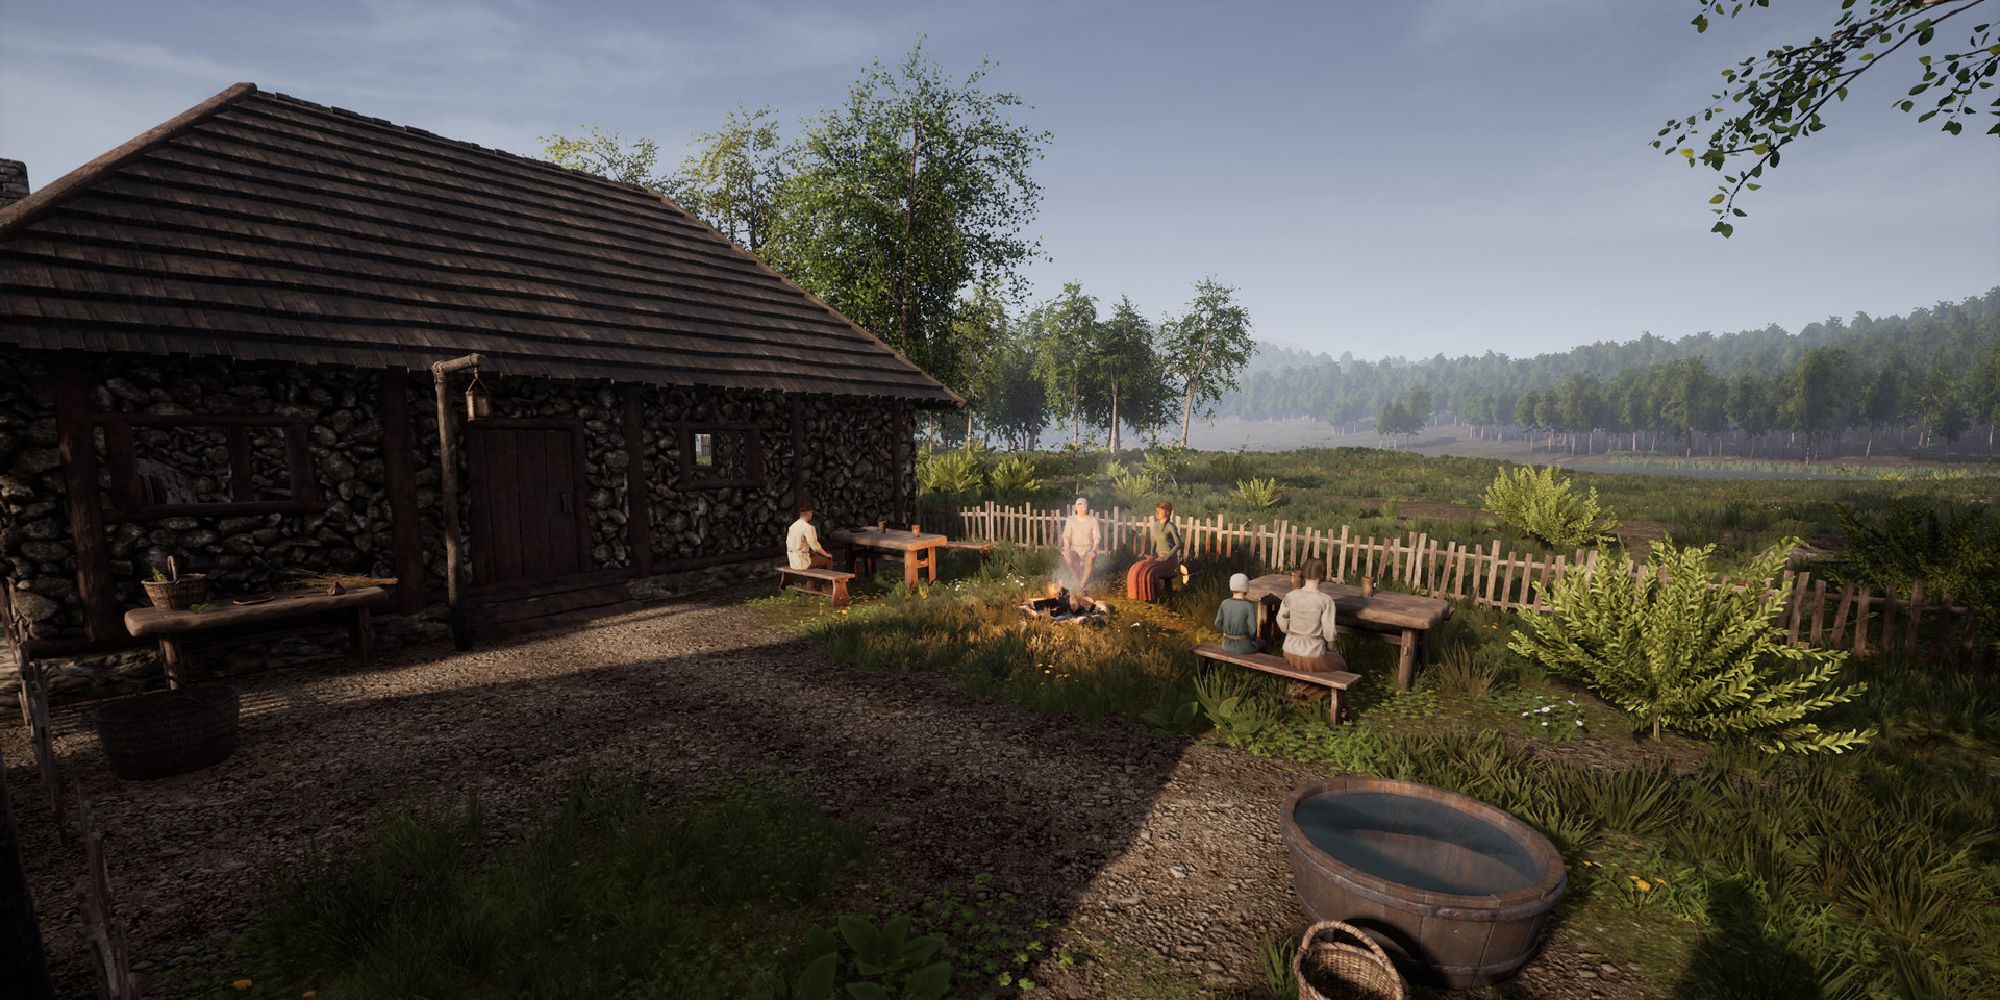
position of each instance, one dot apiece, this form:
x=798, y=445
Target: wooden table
x=918, y=549
x=282, y=613
x=1398, y=619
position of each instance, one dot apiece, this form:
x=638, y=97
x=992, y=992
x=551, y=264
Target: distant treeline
x=1923, y=381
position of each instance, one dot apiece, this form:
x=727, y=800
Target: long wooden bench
x=983, y=548
x=172, y=627
x=1335, y=681
x=835, y=581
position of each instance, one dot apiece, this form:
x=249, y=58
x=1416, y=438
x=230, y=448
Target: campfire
x=1062, y=606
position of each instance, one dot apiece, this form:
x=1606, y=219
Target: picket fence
x=1816, y=612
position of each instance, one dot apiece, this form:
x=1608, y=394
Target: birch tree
x=1205, y=348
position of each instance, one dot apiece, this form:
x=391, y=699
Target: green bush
x=956, y=473
x=1678, y=653
x=1257, y=494
x=1013, y=479
x=1533, y=500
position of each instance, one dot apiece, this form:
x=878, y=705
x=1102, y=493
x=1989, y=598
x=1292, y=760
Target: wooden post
x=1916, y=614
x=400, y=477
x=899, y=454
x=1798, y=602
x=1840, y=616
x=454, y=545
x=1861, y=624
x=1492, y=572
x=78, y=446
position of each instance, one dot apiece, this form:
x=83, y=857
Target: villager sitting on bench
x=1236, y=618
x=1306, y=616
x=802, y=547
x=1163, y=556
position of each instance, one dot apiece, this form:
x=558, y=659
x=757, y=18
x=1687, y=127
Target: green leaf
x=1717, y=200
x=1700, y=23
x=816, y=982
x=931, y=982
x=861, y=936
x=867, y=991
x=1953, y=127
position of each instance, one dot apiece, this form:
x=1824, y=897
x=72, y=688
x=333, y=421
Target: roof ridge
x=35, y=205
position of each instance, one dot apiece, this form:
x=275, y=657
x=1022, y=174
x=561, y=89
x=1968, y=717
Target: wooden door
x=527, y=495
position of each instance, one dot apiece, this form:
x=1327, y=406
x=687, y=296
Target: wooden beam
x=899, y=450
x=400, y=474
x=78, y=446
x=638, y=491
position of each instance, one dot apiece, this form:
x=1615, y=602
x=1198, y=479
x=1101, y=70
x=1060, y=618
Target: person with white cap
x=1236, y=617
x=1081, y=541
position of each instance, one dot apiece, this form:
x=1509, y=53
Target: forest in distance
x=1920, y=383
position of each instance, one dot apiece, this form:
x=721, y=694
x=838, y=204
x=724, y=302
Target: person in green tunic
x=1236, y=618
x=1162, y=557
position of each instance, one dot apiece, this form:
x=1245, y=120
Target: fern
x=1258, y=494
x=1677, y=653
x=1013, y=478
x=956, y=473
x=1133, y=486
x=1532, y=499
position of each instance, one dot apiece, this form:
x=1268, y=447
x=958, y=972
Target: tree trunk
x=909, y=224
x=1114, y=416
x=1187, y=412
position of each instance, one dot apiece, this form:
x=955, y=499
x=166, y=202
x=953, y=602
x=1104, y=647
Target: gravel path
x=1152, y=846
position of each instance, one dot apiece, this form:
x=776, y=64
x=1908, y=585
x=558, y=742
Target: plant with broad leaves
x=882, y=962
x=1778, y=97
x=1258, y=493
x=1667, y=645
x=1534, y=500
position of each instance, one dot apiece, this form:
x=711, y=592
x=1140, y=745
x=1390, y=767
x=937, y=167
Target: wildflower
x=1644, y=886
x=1587, y=863
x=1524, y=713
x=241, y=984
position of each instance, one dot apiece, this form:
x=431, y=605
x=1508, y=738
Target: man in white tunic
x=1307, y=618
x=802, y=547
x=1082, y=540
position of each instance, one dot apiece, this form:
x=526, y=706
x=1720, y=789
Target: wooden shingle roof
x=258, y=226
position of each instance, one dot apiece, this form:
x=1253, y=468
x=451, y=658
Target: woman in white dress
x=1081, y=542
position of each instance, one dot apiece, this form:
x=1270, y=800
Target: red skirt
x=1142, y=581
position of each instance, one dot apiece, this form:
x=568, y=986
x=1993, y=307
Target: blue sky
x=1436, y=176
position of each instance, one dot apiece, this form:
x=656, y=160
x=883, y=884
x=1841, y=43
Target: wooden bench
x=1335, y=681
x=280, y=614
x=983, y=548
x=835, y=581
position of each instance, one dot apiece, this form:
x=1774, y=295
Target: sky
x=1436, y=176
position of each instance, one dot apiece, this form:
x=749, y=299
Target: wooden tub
x=1455, y=889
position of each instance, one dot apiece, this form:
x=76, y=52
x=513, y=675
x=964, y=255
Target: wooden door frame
x=482, y=559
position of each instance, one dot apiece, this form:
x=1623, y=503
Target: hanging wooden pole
x=448, y=469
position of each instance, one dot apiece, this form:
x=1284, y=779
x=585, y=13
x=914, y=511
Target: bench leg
x=1406, y=660
x=170, y=660
x=840, y=598
x=363, y=636
x=1333, y=707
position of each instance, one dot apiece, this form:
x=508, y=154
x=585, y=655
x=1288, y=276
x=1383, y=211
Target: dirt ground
x=1137, y=844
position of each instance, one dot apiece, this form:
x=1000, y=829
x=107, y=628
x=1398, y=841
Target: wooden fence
x=1817, y=612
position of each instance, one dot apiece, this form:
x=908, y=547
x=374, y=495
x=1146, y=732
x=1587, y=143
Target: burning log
x=1062, y=606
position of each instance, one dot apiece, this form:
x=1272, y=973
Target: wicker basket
x=1328, y=967
x=161, y=733
x=179, y=594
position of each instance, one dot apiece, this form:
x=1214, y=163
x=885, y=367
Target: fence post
x=1916, y=613
x=1492, y=571
x=1861, y=623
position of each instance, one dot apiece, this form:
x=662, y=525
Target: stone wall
x=846, y=469
x=34, y=517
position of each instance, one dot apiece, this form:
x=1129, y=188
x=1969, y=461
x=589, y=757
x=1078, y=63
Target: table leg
x=930, y=563
x=363, y=636
x=909, y=571
x=170, y=659
x=1406, y=661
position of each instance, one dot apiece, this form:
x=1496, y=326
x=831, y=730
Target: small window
x=714, y=456
x=162, y=465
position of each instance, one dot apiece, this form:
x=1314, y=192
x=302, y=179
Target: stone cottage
x=217, y=340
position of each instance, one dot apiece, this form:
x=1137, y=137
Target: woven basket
x=162, y=733
x=180, y=594
x=1328, y=967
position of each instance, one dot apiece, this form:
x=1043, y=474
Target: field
x=1389, y=493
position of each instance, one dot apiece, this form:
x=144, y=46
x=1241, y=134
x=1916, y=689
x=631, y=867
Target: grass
x=1375, y=491
x=608, y=896
x=1711, y=870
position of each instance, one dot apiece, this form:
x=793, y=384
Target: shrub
x=955, y=473
x=1229, y=467
x=1257, y=494
x=1134, y=487
x=1678, y=653
x=1533, y=500
x=1013, y=479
